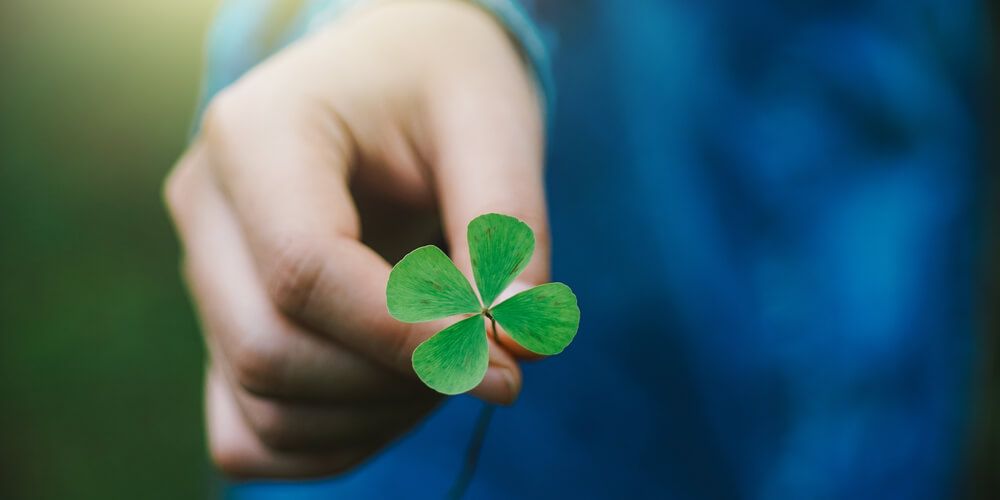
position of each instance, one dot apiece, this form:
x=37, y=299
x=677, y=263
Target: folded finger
x=239, y=452
x=265, y=352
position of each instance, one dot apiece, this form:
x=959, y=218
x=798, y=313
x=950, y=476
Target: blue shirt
x=769, y=211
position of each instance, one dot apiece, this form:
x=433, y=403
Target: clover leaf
x=425, y=286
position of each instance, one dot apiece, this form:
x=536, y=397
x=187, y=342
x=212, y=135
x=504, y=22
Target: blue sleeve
x=236, y=43
x=523, y=29
x=513, y=15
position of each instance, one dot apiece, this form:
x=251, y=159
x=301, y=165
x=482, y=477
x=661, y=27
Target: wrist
x=509, y=15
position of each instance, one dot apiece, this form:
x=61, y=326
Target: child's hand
x=343, y=147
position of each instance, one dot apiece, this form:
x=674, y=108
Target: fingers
x=287, y=425
x=238, y=451
x=272, y=356
x=296, y=214
x=268, y=354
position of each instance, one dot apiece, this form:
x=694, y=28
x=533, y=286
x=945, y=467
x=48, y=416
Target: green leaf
x=500, y=247
x=425, y=285
x=543, y=319
x=455, y=359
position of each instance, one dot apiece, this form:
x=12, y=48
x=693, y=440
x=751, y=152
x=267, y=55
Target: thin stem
x=472, y=453
x=476, y=440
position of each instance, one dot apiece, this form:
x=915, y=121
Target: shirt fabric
x=769, y=212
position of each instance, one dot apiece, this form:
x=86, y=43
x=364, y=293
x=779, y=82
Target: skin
x=390, y=129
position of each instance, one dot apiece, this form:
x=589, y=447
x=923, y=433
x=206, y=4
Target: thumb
x=488, y=138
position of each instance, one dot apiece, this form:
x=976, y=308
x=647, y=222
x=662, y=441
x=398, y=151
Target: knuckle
x=229, y=457
x=171, y=190
x=273, y=426
x=259, y=365
x=292, y=278
x=228, y=463
x=175, y=188
x=223, y=115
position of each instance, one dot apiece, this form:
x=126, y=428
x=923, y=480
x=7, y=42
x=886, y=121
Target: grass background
x=100, y=357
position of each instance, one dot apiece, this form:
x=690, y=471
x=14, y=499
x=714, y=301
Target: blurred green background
x=100, y=358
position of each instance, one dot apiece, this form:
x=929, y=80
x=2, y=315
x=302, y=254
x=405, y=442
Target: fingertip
x=501, y=385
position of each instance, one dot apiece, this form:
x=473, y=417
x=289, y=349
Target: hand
x=336, y=154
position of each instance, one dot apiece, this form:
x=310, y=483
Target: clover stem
x=472, y=453
x=493, y=328
x=478, y=436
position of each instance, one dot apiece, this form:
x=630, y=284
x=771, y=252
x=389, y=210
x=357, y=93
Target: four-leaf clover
x=425, y=286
